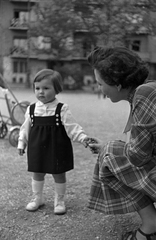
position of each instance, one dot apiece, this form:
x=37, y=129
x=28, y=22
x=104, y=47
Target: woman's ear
x=119, y=87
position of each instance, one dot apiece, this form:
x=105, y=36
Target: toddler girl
x=47, y=133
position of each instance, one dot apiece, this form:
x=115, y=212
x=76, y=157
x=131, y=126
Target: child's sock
x=37, y=199
x=59, y=201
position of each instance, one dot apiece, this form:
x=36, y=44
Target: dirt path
x=80, y=223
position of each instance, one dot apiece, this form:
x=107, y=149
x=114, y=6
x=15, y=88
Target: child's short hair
x=52, y=75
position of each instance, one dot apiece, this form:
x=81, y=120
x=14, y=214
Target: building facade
x=18, y=61
x=145, y=46
x=21, y=59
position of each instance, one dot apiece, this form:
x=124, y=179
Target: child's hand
x=95, y=145
x=21, y=151
x=86, y=142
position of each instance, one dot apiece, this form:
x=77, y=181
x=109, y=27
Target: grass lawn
x=100, y=118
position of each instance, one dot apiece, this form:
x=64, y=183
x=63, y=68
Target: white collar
x=49, y=104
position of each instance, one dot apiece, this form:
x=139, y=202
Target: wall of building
x=152, y=74
x=147, y=49
x=5, y=34
x=152, y=48
x=36, y=66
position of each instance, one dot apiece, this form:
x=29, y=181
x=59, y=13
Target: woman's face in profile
x=110, y=91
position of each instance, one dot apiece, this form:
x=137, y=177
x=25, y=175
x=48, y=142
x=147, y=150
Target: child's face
x=44, y=91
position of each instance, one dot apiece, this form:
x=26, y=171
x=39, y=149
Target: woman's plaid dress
x=124, y=177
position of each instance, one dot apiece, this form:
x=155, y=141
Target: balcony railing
x=19, y=52
x=17, y=23
x=32, y=1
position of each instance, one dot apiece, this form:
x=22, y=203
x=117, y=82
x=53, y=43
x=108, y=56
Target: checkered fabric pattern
x=124, y=177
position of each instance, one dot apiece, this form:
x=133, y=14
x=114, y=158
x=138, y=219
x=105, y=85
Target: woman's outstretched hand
x=94, y=144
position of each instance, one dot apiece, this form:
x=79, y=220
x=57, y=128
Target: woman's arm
x=139, y=149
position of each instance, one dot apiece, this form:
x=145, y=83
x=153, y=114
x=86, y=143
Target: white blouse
x=74, y=131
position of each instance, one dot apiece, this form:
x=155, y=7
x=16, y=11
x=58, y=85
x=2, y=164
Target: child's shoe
x=35, y=203
x=37, y=200
x=59, y=205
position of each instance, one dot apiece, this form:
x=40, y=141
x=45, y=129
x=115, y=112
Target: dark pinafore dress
x=49, y=148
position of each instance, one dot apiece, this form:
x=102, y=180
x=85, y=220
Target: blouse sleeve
x=74, y=131
x=139, y=149
x=24, y=131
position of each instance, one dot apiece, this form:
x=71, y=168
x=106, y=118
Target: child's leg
x=60, y=190
x=37, y=189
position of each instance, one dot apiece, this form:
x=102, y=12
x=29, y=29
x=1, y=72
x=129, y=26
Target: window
x=20, y=18
x=15, y=67
x=20, y=66
x=14, y=80
x=44, y=43
x=136, y=45
x=20, y=45
x=22, y=15
x=21, y=42
x=87, y=46
x=21, y=80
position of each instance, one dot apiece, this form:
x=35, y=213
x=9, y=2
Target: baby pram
x=10, y=123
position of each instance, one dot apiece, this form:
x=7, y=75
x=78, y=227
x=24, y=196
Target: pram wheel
x=18, y=112
x=13, y=136
x=3, y=129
